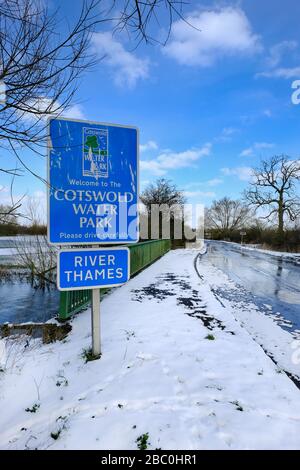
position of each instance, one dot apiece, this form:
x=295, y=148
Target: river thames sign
x=93, y=183
x=92, y=268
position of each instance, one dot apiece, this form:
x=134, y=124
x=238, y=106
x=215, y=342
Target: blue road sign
x=92, y=268
x=93, y=183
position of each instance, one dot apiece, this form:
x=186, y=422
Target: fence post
x=63, y=305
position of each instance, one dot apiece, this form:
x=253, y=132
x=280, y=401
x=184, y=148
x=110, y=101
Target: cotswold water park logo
x=95, y=152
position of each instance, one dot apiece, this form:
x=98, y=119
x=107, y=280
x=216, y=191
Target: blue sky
x=208, y=105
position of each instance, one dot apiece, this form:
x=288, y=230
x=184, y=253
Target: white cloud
x=283, y=72
x=5, y=195
x=247, y=152
x=190, y=194
x=150, y=145
x=74, y=111
x=263, y=145
x=213, y=34
x=209, y=183
x=37, y=199
x=214, y=182
x=243, y=173
x=2, y=92
x=250, y=152
x=267, y=112
x=277, y=54
x=4, y=189
x=226, y=134
x=228, y=131
x=174, y=160
x=44, y=107
x=278, y=51
x=127, y=67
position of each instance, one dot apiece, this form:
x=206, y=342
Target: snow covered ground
x=295, y=257
x=177, y=368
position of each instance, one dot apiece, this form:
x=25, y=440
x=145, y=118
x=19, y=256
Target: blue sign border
x=88, y=242
x=84, y=251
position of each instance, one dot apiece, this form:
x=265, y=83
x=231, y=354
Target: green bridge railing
x=141, y=255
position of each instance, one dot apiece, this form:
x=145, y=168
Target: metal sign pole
x=82, y=151
x=96, y=334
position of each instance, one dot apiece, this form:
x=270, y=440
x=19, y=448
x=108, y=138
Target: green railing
x=141, y=255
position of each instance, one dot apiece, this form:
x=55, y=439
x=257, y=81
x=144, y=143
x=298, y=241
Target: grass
x=88, y=356
x=62, y=381
x=210, y=337
x=143, y=441
x=62, y=420
x=238, y=405
x=55, y=435
x=33, y=409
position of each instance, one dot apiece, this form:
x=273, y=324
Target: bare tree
x=33, y=211
x=274, y=188
x=227, y=215
x=139, y=17
x=36, y=255
x=163, y=191
x=8, y=214
x=41, y=62
x=40, y=68
x=164, y=203
x=34, y=252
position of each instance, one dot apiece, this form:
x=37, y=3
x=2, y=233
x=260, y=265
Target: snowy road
x=178, y=371
x=273, y=282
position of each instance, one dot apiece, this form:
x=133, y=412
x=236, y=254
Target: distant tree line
x=266, y=236
x=268, y=212
x=10, y=224
x=18, y=229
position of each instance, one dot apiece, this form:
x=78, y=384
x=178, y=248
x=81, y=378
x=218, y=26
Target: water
x=21, y=302
x=271, y=282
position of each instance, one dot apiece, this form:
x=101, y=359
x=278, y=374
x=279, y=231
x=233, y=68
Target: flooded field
x=20, y=299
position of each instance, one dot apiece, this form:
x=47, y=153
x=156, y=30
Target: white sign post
x=93, y=268
x=96, y=331
x=92, y=199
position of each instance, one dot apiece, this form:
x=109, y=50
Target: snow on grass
x=177, y=372
x=285, y=255
x=280, y=254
